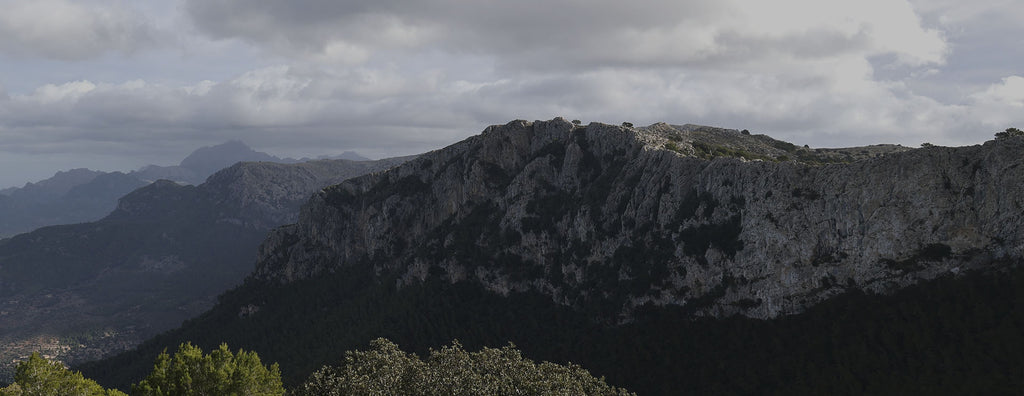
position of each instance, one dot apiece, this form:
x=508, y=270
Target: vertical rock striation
x=609, y=218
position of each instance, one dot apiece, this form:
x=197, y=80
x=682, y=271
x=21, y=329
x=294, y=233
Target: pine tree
x=190, y=372
x=40, y=377
x=1009, y=132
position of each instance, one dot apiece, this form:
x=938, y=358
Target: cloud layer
x=535, y=34
x=67, y=30
x=398, y=76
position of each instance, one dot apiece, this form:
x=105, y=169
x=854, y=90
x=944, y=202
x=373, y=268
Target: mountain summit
x=207, y=160
x=204, y=161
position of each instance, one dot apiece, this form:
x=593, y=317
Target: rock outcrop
x=714, y=220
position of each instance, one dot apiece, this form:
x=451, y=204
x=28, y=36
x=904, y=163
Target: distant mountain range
x=81, y=195
x=68, y=197
x=165, y=252
x=203, y=162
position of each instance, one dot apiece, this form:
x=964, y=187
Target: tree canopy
x=387, y=370
x=37, y=376
x=190, y=372
x=1009, y=132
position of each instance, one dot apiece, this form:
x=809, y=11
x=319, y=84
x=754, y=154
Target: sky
x=119, y=84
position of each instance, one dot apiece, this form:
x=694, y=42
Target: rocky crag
x=717, y=221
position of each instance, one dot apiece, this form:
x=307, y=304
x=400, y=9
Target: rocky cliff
x=717, y=221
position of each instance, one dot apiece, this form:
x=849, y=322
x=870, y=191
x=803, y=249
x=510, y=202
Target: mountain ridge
x=660, y=256
x=82, y=195
x=87, y=290
x=550, y=202
x=205, y=161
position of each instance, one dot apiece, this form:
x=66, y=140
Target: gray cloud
x=391, y=77
x=69, y=30
x=797, y=68
x=542, y=34
x=293, y=109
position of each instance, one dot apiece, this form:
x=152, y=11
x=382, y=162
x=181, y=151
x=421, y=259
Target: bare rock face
x=713, y=220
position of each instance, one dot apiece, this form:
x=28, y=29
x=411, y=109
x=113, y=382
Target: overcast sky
x=115, y=85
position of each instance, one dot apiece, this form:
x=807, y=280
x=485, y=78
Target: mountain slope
x=205, y=161
x=54, y=187
x=81, y=195
x=619, y=247
x=87, y=290
x=74, y=196
x=952, y=335
x=603, y=216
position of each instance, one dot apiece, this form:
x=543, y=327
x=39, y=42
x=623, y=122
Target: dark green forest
x=953, y=335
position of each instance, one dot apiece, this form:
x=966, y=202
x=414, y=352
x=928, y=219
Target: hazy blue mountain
x=55, y=187
x=203, y=162
x=162, y=256
x=81, y=195
x=207, y=160
x=74, y=196
x=345, y=155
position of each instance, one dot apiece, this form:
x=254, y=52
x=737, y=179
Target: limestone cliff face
x=608, y=218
